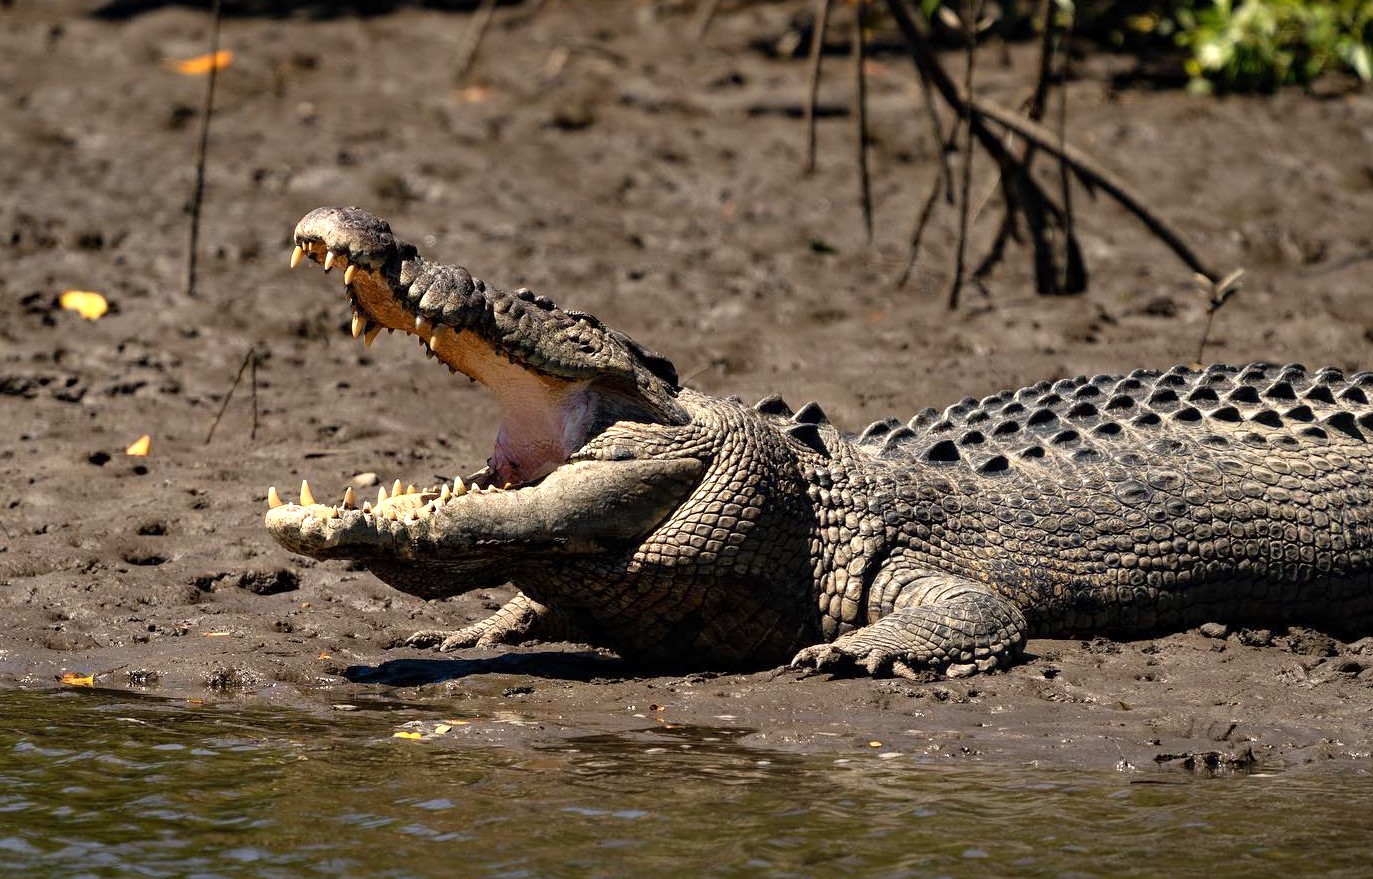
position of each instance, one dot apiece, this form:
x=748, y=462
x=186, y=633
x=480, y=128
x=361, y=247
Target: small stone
x=1214, y=630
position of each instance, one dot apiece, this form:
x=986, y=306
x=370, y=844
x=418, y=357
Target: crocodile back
x=1147, y=500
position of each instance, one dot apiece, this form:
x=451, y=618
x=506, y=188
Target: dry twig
x=817, y=47
x=249, y=359
x=472, y=40
x=705, y=13
x=969, y=22
x=1219, y=293
x=860, y=115
x=198, y=193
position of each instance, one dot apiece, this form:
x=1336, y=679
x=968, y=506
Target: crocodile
x=686, y=531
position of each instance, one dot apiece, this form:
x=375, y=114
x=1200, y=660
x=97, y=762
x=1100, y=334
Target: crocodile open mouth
x=546, y=417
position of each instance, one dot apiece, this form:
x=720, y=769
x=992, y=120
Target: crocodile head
x=557, y=482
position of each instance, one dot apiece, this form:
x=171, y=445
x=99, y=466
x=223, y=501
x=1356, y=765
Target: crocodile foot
x=519, y=621
x=848, y=658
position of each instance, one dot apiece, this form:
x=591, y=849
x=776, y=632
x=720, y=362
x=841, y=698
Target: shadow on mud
x=570, y=666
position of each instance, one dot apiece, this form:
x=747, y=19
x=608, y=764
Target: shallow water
x=98, y=784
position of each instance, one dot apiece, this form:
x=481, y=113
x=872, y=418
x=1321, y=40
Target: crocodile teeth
x=328, y=260
x=459, y=487
x=348, y=274
x=423, y=327
x=381, y=495
x=397, y=489
x=445, y=493
x=371, y=336
x=306, y=498
x=359, y=324
x=366, y=507
x=273, y=499
x=410, y=489
x=350, y=500
x=297, y=255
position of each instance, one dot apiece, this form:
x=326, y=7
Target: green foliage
x=1262, y=44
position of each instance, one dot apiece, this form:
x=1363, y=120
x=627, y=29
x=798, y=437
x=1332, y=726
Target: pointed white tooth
x=328, y=260
x=397, y=489
x=348, y=274
x=306, y=498
x=410, y=489
x=445, y=493
x=329, y=513
x=381, y=495
x=459, y=487
x=423, y=327
x=350, y=500
x=367, y=506
x=371, y=336
x=359, y=324
x=273, y=499
x=297, y=255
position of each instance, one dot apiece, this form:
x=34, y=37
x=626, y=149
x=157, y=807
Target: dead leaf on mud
x=87, y=303
x=474, y=94
x=140, y=447
x=72, y=679
x=202, y=64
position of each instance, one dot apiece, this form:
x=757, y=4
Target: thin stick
x=919, y=231
x=1220, y=293
x=198, y=193
x=472, y=40
x=945, y=167
x=704, y=14
x=970, y=17
x=1074, y=278
x=250, y=357
x=252, y=383
x=861, y=112
x=817, y=45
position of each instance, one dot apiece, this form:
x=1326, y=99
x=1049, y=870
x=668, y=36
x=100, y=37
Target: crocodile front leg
x=518, y=621
x=940, y=622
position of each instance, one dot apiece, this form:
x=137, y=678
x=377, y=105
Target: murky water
x=102, y=785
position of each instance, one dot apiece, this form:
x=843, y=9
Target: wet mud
x=617, y=166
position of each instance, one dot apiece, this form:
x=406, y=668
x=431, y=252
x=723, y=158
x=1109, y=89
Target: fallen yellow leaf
x=72, y=679
x=87, y=303
x=202, y=64
x=442, y=728
x=406, y=735
x=215, y=634
x=140, y=446
x=474, y=94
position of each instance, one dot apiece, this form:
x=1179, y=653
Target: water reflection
x=95, y=784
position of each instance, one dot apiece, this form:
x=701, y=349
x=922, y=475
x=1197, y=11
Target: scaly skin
x=685, y=531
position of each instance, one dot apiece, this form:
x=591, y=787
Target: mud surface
x=618, y=167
